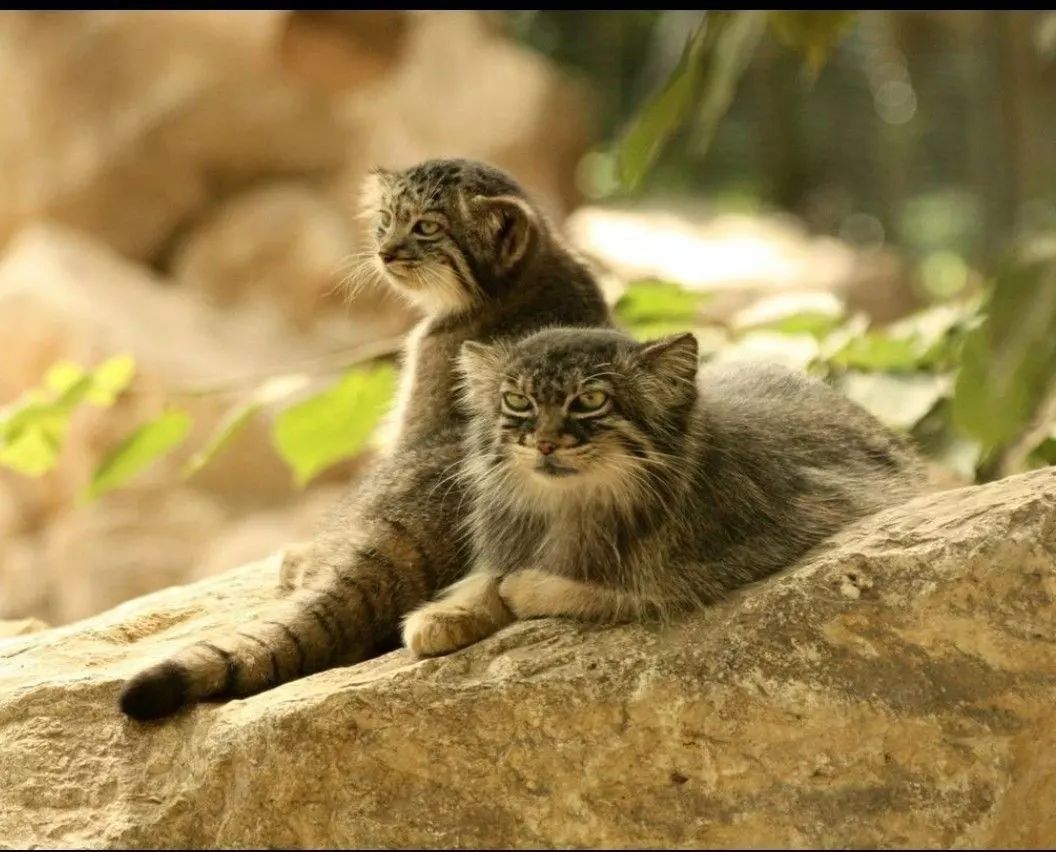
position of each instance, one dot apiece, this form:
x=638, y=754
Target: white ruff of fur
x=435, y=289
x=611, y=485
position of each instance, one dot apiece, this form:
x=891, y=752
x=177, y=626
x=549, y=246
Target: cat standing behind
x=462, y=241
x=612, y=480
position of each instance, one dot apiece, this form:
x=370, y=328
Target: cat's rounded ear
x=507, y=223
x=676, y=356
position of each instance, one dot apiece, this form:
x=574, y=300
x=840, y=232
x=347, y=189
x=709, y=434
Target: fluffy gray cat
x=461, y=240
x=613, y=480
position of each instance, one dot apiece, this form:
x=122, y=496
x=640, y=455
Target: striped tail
x=340, y=619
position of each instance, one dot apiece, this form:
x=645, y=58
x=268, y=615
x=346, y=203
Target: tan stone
x=126, y=544
x=114, y=122
x=292, y=247
x=340, y=50
x=916, y=713
x=21, y=627
x=522, y=114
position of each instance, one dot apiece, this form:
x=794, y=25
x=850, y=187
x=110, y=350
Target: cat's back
x=762, y=392
x=769, y=409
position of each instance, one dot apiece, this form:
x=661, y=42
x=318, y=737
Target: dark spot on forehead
x=558, y=351
x=554, y=362
x=435, y=178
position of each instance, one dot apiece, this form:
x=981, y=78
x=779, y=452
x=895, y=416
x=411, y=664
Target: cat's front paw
x=529, y=593
x=440, y=628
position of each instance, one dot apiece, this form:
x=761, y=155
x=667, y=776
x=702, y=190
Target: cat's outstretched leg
x=532, y=593
x=294, y=572
x=465, y=612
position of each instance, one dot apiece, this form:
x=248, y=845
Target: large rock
x=118, y=123
x=130, y=126
x=894, y=690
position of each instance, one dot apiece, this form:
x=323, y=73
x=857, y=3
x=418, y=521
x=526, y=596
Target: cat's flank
x=613, y=480
x=462, y=241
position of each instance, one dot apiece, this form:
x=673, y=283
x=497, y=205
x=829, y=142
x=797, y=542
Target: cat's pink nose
x=545, y=447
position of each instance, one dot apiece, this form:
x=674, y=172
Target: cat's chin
x=436, y=290
x=553, y=470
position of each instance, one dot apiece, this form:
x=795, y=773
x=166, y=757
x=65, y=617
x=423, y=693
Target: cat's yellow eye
x=426, y=228
x=590, y=400
x=516, y=401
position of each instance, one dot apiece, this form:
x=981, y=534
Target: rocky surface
x=896, y=689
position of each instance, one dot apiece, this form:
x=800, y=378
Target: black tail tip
x=155, y=693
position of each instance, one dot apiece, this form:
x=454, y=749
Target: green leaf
x=149, y=442
x=817, y=314
x=712, y=61
x=661, y=116
x=734, y=47
x=274, y=389
x=657, y=302
x=1009, y=360
x=33, y=453
x=812, y=33
x=33, y=428
x=62, y=376
x=334, y=424
x=927, y=338
x=877, y=350
x=900, y=401
x=110, y=378
x=235, y=420
x=1045, y=452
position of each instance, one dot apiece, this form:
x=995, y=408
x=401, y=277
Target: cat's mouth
x=404, y=270
x=549, y=467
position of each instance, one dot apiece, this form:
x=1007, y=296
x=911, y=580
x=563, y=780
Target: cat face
x=448, y=233
x=580, y=412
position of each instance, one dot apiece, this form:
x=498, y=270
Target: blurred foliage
x=970, y=378
x=1008, y=367
x=812, y=33
x=705, y=79
x=146, y=444
x=310, y=435
x=706, y=76
x=33, y=427
x=334, y=424
x=966, y=379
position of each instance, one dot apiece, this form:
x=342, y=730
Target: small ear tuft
x=508, y=223
x=376, y=184
x=676, y=355
x=478, y=370
x=476, y=358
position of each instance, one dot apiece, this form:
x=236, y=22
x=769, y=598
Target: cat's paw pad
x=436, y=630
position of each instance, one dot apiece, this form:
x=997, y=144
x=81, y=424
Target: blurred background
x=187, y=382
